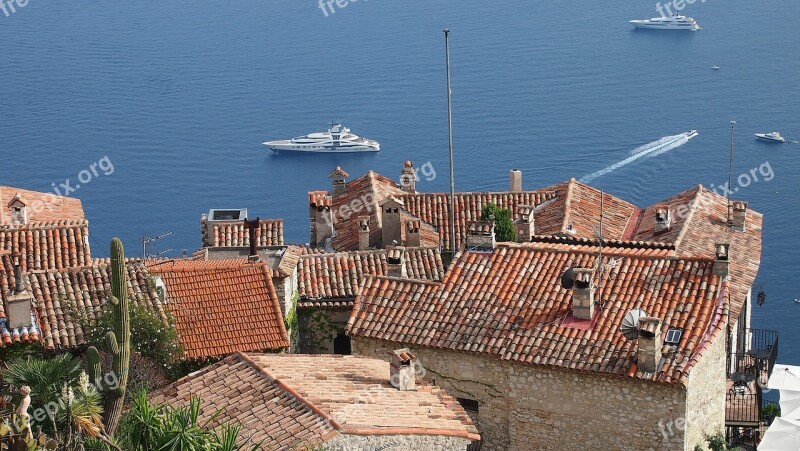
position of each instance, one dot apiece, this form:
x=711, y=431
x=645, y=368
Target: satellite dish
x=630, y=324
x=568, y=279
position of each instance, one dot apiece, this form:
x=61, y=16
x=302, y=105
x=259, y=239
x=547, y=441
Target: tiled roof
x=19, y=334
x=363, y=193
x=510, y=304
x=328, y=278
x=48, y=245
x=222, y=306
x=434, y=208
x=281, y=260
x=289, y=400
x=235, y=233
x=41, y=207
x=59, y=295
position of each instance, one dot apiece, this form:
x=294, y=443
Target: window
x=470, y=405
x=673, y=336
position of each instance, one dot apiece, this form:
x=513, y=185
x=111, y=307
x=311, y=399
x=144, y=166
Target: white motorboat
x=675, y=22
x=338, y=139
x=774, y=137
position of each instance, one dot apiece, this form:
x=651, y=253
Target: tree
x=504, y=229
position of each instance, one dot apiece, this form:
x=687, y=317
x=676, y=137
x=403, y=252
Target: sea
x=157, y=110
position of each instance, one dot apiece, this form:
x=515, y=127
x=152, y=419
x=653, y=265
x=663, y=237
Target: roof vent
x=630, y=324
x=402, y=370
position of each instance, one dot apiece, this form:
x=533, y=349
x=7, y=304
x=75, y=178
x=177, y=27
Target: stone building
x=559, y=343
x=293, y=401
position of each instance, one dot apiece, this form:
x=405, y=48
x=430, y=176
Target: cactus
x=118, y=341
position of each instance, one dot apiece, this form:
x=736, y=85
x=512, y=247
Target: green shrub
x=504, y=229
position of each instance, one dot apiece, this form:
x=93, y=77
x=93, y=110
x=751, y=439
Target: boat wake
x=652, y=149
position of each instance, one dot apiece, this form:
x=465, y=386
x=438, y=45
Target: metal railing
x=743, y=407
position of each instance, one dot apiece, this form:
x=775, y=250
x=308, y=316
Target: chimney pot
x=662, y=220
x=253, y=240
x=739, y=215
x=515, y=180
x=408, y=178
x=413, y=238
x=363, y=233
x=649, y=344
x=480, y=236
x=722, y=259
x=402, y=370
x=583, y=294
x=524, y=223
x=396, y=262
x=339, y=180
x=391, y=232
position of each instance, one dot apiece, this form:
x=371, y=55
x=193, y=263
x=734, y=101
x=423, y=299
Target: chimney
x=662, y=219
x=649, y=353
x=583, y=294
x=739, y=215
x=402, y=370
x=515, y=180
x=18, y=303
x=408, y=178
x=251, y=226
x=339, y=180
x=480, y=236
x=722, y=259
x=412, y=233
x=390, y=221
x=319, y=214
x=363, y=233
x=524, y=223
x=396, y=262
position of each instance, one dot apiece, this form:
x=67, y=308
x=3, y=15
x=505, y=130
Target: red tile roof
x=60, y=295
x=41, y=207
x=222, y=306
x=235, y=233
x=509, y=304
x=326, y=278
x=289, y=400
x=48, y=245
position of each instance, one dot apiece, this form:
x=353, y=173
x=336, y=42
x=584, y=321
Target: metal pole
x=450, y=143
x=730, y=175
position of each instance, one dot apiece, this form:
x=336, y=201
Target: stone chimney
x=662, y=220
x=408, y=178
x=396, y=262
x=722, y=259
x=480, y=236
x=339, y=180
x=363, y=233
x=390, y=221
x=252, y=226
x=524, y=223
x=650, y=343
x=515, y=180
x=320, y=218
x=402, y=370
x=739, y=215
x=583, y=294
x=413, y=238
x=18, y=302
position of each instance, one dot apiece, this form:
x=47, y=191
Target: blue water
x=179, y=95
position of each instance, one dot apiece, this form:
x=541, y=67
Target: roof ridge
x=689, y=216
x=567, y=202
x=289, y=390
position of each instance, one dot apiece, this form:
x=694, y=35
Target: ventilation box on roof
x=227, y=215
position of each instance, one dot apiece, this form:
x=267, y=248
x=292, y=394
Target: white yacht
x=337, y=139
x=774, y=137
x=667, y=23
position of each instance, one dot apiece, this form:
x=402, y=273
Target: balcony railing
x=759, y=358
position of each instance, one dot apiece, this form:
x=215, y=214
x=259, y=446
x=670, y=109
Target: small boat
x=774, y=137
x=338, y=139
x=675, y=22
x=715, y=67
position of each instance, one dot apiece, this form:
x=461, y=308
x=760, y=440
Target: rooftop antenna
x=730, y=175
x=158, y=254
x=450, y=143
x=151, y=239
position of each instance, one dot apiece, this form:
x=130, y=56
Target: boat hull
x=645, y=25
x=321, y=149
x=769, y=140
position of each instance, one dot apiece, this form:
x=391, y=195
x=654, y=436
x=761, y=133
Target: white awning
x=790, y=405
x=784, y=377
x=782, y=435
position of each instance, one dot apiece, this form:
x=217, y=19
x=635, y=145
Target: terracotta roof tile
x=235, y=233
x=292, y=400
x=510, y=304
x=325, y=279
x=41, y=207
x=48, y=245
x=222, y=306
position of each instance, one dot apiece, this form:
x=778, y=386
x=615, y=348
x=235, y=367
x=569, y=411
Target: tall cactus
x=118, y=341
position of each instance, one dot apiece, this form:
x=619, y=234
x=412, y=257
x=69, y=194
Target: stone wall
x=319, y=327
x=349, y=442
x=705, y=399
x=525, y=407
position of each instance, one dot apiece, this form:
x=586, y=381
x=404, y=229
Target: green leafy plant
x=716, y=441
x=769, y=412
x=504, y=229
